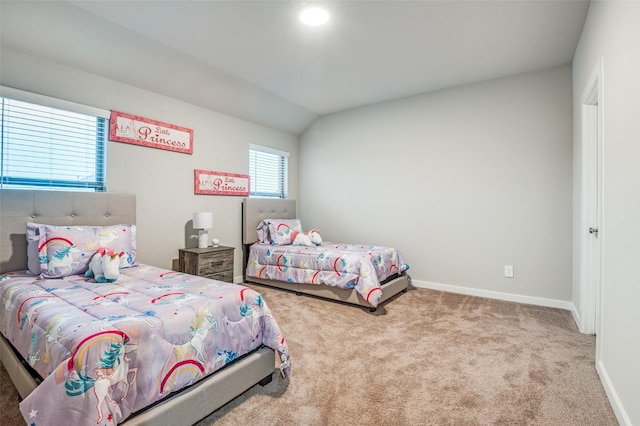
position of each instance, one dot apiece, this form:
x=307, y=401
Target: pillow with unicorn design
x=278, y=231
x=67, y=250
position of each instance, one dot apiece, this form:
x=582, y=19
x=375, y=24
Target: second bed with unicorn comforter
x=349, y=266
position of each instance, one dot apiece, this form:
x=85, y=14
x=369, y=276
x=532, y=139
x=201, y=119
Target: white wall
x=612, y=33
x=462, y=181
x=162, y=180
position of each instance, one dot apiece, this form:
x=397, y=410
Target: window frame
x=283, y=173
x=102, y=127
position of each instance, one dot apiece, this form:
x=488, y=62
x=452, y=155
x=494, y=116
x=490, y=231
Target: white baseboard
x=576, y=316
x=614, y=400
x=551, y=303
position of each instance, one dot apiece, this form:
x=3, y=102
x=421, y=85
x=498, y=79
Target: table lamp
x=203, y=221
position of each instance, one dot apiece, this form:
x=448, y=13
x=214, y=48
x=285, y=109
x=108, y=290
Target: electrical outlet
x=508, y=271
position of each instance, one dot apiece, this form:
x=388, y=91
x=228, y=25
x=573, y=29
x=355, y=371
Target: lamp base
x=203, y=239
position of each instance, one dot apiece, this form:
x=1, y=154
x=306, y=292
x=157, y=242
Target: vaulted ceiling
x=254, y=60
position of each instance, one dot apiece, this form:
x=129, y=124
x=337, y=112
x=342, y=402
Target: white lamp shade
x=202, y=220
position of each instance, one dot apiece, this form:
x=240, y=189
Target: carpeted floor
x=426, y=357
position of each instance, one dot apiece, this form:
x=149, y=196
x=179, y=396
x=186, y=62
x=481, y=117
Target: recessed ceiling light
x=314, y=14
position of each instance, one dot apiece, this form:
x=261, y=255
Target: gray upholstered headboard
x=255, y=210
x=17, y=207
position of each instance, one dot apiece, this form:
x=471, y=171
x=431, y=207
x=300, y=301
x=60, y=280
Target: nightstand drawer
x=212, y=263
x=222, y=276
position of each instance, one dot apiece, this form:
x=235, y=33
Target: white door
x=591, y=232
x=592, y=225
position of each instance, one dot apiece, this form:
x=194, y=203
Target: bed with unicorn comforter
x=105, y=351
x=363, y=268
x=362, y=275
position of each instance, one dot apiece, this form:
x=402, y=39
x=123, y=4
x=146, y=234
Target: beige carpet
x=426, y=357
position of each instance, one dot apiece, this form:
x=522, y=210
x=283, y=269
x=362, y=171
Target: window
x=268, y=169
x=47, y=143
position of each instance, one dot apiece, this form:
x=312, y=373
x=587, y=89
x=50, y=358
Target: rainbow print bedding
x=108, y=350
x=348, y=266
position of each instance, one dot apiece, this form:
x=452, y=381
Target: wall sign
x=137, y=130
x=219, y=183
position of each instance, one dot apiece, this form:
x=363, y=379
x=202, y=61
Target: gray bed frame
x=255, y=210
x=17, y=207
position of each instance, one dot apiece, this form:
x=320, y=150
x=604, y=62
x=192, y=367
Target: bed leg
x=266, y=380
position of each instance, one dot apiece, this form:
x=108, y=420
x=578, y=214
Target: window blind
x=49, y=147
x=268, y=170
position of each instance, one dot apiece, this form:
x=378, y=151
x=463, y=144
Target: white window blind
x=268, y=169
x=43, y=146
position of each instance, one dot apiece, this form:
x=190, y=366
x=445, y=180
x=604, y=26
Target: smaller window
x=268, y=169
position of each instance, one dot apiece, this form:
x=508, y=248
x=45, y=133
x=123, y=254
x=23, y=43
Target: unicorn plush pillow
x=67, y=250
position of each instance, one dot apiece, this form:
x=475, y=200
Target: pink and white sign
x=219, y=183
x=137, y=130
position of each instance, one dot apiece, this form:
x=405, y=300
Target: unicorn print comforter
x=348, y=266
x=108, y=350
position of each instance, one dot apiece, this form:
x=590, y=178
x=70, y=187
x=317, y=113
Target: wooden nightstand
x=210, y=262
